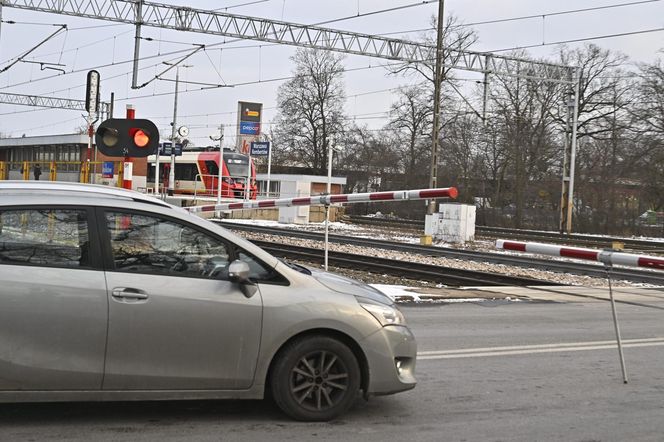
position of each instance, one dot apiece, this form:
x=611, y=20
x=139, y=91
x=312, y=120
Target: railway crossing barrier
x=327, y=200
x=608, y=257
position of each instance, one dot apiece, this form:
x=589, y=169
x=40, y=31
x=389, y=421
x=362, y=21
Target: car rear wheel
x=315, y=379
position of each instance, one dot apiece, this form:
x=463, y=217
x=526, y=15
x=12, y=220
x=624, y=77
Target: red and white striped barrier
x=605, y=256
x=326, y=200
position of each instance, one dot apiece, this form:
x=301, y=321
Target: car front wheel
x=315, y=379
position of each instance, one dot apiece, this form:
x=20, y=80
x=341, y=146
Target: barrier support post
x=3, y=170
x=25, y=171
x=608, y=266
x=327, y=230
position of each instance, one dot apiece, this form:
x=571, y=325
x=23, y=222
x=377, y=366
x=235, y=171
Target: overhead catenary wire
x=577, y=40
x=528, y=17
x=556, y=13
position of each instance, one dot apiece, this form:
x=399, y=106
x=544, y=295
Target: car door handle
x=128, y=294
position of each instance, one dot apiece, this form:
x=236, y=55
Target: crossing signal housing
x=119, y=137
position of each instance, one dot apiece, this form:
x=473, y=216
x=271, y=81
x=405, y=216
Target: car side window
x=45, y=237
x=147, y=244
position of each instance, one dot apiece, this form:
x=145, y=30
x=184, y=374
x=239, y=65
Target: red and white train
x=197, y=173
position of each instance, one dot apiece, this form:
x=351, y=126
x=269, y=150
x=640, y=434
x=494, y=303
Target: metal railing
x=81, y=171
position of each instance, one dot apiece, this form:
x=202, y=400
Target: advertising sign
x=250, y=128
x=107, y=169
x=250, y=111
x=260, y=149
x=248, y=125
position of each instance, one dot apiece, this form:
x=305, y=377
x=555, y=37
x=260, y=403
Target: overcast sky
x=369, y=91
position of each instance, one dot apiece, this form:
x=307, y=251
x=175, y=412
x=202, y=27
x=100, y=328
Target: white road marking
x=534, y=349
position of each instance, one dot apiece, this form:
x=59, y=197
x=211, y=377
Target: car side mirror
x=238, y=272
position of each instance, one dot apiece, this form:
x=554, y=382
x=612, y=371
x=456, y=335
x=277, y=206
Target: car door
x=53, y=304
x=175, y=321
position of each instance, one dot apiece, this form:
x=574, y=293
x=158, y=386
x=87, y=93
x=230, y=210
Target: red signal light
x=141, y=138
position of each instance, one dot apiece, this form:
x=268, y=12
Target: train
x=197, y=173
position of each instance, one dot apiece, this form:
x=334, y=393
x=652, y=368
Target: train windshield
x=237, y=166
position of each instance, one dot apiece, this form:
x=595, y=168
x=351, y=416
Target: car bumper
x=391, y=354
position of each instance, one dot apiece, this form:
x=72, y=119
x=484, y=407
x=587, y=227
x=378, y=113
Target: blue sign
x=166, y=148
x=107, y=169
x=260, y=149
x=249, y=128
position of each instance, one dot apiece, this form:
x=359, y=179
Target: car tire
x=315, y=378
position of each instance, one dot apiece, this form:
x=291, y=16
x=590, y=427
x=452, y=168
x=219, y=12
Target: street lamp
x=171, y=174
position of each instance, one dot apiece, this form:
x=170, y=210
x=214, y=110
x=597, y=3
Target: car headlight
x=385, y=314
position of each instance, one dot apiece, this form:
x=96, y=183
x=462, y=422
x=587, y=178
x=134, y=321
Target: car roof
x=64, y=188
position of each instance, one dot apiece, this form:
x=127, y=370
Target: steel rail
x=410, y=270
x=491, y=232
x=587, y=269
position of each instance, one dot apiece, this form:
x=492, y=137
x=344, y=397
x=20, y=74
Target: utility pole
x=569, y=156
x=137, y=42
x=171, y=173
x=0, y=19
x=220, y=171
x=438, y=79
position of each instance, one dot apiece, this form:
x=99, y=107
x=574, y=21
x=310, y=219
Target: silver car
x=108, y=294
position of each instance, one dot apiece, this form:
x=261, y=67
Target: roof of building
x=45, y=140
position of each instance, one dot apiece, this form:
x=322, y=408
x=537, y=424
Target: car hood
x=350, y=286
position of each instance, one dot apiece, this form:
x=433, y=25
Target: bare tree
x=522, y=112
x=311, y=107
x=648, y=113
x=456, y=37
x=411, y=120
x=368, y=158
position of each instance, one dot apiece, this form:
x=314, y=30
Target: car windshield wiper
x=297, y=267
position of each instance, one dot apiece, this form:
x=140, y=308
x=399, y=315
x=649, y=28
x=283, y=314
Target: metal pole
x=327, y=206
x=111, y=106
x=616, y=326
x=433, y=181
x=90, y=135
x=137, y=43
x=269, y=169
x=171, y=173
x=572, y=158
x=156, y=170
x=485, y=96
x=220, y=172
x=247, y=186
x=565, y=184
x=0, y=21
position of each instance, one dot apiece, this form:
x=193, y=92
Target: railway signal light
x=119, y=137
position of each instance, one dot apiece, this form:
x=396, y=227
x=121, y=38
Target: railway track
x=411, y=270
x=593, y=270
x=591, y=241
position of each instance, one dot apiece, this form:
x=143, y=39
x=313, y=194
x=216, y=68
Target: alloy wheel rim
x=319, y=381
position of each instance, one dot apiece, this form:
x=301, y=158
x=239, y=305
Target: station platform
x=566, y=294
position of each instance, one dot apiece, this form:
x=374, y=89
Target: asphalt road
x=492, y=371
